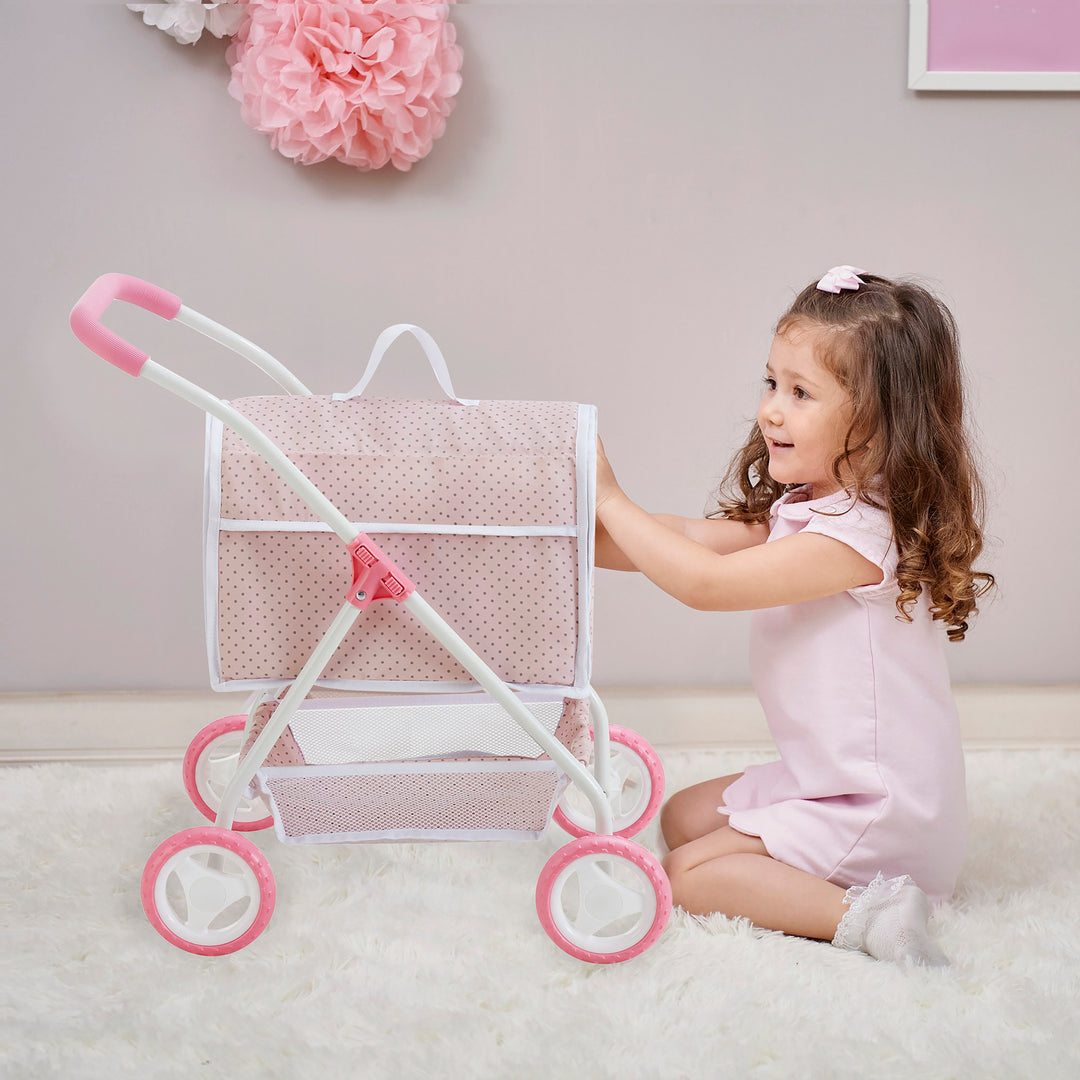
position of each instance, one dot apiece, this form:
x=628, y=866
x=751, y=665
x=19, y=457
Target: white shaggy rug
x=428, y=960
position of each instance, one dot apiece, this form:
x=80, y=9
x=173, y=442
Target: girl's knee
x=707, y=887
x=687, y=887
x=678, y=862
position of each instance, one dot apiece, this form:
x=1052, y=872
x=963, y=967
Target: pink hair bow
x=841, y=277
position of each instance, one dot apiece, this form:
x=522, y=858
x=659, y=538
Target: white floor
x=428, y=960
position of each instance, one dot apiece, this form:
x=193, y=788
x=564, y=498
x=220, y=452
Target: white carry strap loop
x=431, y=350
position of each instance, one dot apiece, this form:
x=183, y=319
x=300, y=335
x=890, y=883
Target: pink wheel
x=208, y=891
x=637, y=789
x=603, y=899
x=210, y=763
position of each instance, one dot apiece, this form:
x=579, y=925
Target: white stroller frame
x=375, y=577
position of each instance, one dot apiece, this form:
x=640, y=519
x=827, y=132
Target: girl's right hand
x=606, y=484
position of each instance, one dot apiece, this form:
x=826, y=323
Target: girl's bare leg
x=691, y=813
x=729, y=872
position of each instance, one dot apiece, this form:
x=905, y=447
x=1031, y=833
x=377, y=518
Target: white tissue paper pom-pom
x=185, y=20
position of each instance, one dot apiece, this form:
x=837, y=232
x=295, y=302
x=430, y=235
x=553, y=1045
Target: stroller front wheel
x=208, y=891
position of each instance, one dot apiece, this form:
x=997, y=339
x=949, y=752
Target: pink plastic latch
x=375, y=577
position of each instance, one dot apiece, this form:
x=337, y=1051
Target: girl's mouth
x=781, y=445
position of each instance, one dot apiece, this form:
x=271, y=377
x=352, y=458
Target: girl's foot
x=887, y=919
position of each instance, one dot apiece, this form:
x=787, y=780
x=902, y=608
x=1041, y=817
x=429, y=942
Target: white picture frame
x=922, y=77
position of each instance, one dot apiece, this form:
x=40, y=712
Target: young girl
x=850, y=523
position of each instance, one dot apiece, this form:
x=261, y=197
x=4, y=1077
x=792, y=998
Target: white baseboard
x=117, y=727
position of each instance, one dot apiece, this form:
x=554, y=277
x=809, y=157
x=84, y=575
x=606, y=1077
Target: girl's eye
x=770, y=384
x=801, y=393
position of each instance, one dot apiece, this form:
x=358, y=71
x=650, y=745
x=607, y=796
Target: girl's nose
x=770, y=413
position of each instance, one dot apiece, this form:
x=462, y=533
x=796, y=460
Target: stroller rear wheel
x=208, y=891
x=210, y=763
x=603, y=899
x=637, y=789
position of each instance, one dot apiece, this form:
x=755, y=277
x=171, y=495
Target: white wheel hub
x=603, y=903
x=207, y=895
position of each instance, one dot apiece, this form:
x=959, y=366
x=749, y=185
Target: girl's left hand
x=606, y=484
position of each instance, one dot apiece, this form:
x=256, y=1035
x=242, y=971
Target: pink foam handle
x=86, y=316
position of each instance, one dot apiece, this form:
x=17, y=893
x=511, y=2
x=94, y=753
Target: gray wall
x=626, y=196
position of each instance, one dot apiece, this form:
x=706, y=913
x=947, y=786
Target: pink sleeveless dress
x=871, y=772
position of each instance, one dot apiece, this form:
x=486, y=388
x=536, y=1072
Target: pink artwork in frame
x=994, y=45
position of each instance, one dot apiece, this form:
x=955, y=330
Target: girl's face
x=804, y=413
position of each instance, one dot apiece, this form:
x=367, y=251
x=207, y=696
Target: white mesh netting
x=462, y=799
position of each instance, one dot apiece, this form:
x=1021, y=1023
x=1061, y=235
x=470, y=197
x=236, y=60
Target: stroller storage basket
x=457, y=799
x=425, y=767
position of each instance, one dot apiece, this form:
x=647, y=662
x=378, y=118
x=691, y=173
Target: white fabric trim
x=238, y=525
x=528, y=697
x=405, y=836
x=431, y=351
x=403, y=687
x=586, y=517
x=409, y=768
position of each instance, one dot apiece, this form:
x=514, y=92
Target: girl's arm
x=788, y=571
x=716, y=534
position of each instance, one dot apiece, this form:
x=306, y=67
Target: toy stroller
x=401, y=732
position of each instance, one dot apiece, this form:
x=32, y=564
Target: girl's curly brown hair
x=894, y=348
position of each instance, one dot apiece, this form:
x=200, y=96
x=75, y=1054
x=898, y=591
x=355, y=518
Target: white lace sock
x=887, y=919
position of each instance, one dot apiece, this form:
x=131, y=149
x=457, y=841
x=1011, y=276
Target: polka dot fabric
x=430, y=462
x=516, y=600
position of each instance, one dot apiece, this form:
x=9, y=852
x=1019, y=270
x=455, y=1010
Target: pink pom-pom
x=366, y=81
